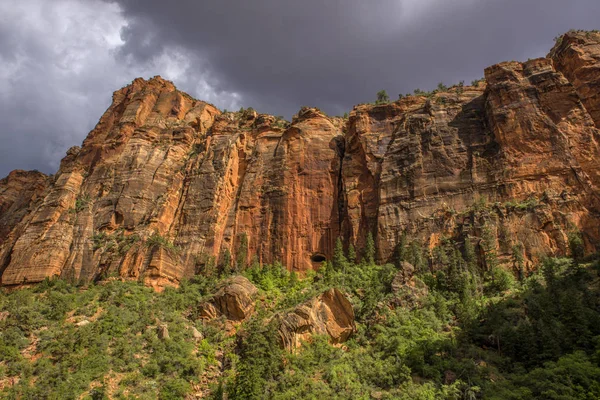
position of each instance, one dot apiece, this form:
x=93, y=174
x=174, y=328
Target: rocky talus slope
x=166, y=185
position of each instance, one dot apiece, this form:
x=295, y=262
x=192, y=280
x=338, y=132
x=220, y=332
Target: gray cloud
x=60, y=60
x=59, y=65
x=280, y=55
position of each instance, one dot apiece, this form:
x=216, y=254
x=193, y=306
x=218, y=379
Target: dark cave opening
x=318, y=258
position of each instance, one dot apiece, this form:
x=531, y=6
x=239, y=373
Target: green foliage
x=115, y=242
x=401, y=252
x=526, y=205
x=225, y=265
x=351, y=253
x=156, y=240
x=500, y=280
x=576, y=245
x=260, y=360
x=460, y=90
x=81, y=203
x=339, y=259
x=174, y=389
x=382, y=97
x=480, y=204
x=473, y=333
x=518, y=261
x=554, y=314
x=415, y=256
x=573, y=376
x=369, y=253
x=120, y=339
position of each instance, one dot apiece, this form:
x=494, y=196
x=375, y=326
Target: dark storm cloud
x=60, y=60
x=58, y=68
x=279, y=55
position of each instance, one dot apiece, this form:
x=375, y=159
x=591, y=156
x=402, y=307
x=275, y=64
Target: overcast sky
x=60, y=60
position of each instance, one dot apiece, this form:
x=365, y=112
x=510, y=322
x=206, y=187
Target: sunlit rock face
x=166, y=185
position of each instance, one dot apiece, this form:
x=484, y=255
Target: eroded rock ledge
x=329, y=314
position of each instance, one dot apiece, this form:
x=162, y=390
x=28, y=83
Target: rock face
x=20, y=193
x=328, y=314
x=165, y=184
x=234, y=300
x=577, y=56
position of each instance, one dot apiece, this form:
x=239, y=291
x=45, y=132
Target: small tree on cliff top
x=382, y=97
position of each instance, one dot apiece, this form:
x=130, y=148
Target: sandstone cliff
x=165, y=185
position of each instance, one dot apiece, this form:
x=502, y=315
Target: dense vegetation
x=462, y=328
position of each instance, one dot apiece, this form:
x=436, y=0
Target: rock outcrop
x=408, y=290
x=328, y=314
x=234, y=300
x=166, y=185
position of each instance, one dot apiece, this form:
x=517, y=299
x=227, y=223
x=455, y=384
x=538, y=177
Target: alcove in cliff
x=317, y=258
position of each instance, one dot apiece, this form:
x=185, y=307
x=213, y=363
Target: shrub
x=157, y=240
x=382, y=97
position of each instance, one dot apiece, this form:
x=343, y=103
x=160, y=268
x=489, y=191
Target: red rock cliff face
x=165, y=185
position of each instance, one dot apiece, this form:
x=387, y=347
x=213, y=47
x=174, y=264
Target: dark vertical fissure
x=341, y=191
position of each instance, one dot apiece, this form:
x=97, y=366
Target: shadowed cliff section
x=166, y=186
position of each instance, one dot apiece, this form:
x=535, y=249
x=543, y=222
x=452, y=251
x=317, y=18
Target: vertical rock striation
x=165, y=185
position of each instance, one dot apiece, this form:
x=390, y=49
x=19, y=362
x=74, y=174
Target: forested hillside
x=443, y=329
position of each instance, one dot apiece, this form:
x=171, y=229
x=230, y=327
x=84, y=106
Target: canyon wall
x=165, y=185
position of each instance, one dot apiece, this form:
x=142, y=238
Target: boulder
x=234, y=300
x=4, y=315
x=328, y=314
x=408, y=290
x=163, y=332
x=198, y=336
x=405, y=274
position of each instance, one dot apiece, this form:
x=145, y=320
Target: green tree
x=415, y=256
x=402, y=250
x=328, y=272
x=351, y=254
x=226, y=262
x=339, y=260
x=260, y=360
x=369, y=253
x=470, y=257
x=382, y=97
x=489, y=247
x=518, y=260
x=576, y=245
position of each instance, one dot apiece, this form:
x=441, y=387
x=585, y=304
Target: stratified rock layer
x=166, y=186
